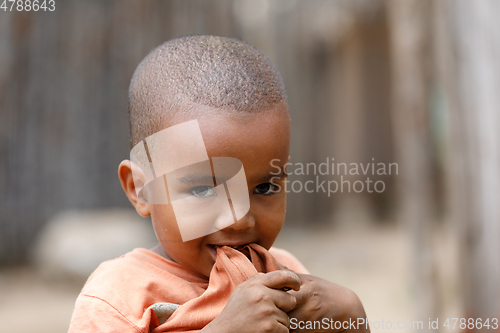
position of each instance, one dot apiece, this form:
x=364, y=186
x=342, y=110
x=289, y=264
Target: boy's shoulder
x=138, y=271
x=121, y=289
x=288, y=260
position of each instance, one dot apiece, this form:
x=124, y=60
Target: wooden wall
x=63, y=89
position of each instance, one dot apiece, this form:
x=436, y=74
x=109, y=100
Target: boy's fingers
x=281, y=279
x=300, y=296
x=284, y=320
x=283, y=300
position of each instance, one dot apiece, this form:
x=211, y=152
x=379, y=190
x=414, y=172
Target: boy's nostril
x=246, y=222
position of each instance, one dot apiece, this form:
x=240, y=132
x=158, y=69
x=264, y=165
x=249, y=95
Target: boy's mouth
x=213, y=248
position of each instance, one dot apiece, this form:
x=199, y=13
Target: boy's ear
x=127, y=181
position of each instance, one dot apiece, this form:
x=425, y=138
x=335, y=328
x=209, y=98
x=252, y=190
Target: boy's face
x=256, y=140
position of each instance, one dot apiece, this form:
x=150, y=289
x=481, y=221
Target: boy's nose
x=246, y=222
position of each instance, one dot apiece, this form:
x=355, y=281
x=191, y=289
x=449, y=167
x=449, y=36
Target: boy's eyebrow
x=266, y=178
x=196, y=179
x=209, y=179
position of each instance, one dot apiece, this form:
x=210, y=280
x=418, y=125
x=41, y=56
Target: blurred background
x=412, y=82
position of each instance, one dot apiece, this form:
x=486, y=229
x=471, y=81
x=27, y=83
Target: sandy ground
x=373, y=263
x=30, y=304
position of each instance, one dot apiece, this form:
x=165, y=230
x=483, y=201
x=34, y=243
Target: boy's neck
x=159, y=249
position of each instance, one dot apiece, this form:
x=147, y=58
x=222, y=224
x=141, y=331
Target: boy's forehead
x=234, y=133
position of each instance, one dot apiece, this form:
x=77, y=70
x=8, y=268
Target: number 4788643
x=28, y=5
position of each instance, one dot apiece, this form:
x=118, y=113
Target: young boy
x=207, y=116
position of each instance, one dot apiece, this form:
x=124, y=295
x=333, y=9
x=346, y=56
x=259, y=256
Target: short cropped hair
x=219, y=72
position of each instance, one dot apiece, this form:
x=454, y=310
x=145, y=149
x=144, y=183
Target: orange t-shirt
x=124, y=295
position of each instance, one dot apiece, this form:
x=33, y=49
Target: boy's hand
x=259, y=305
x=318, y=299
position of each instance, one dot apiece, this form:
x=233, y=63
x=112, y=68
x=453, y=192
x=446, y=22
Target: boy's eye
x=203, y=191
x=266, y=189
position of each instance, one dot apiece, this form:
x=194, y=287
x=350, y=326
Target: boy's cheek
x=164, y=223
x=270, y=227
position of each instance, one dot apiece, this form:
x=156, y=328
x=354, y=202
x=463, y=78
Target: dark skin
x=265, y=302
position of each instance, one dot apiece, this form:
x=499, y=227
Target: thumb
x=299, y=295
